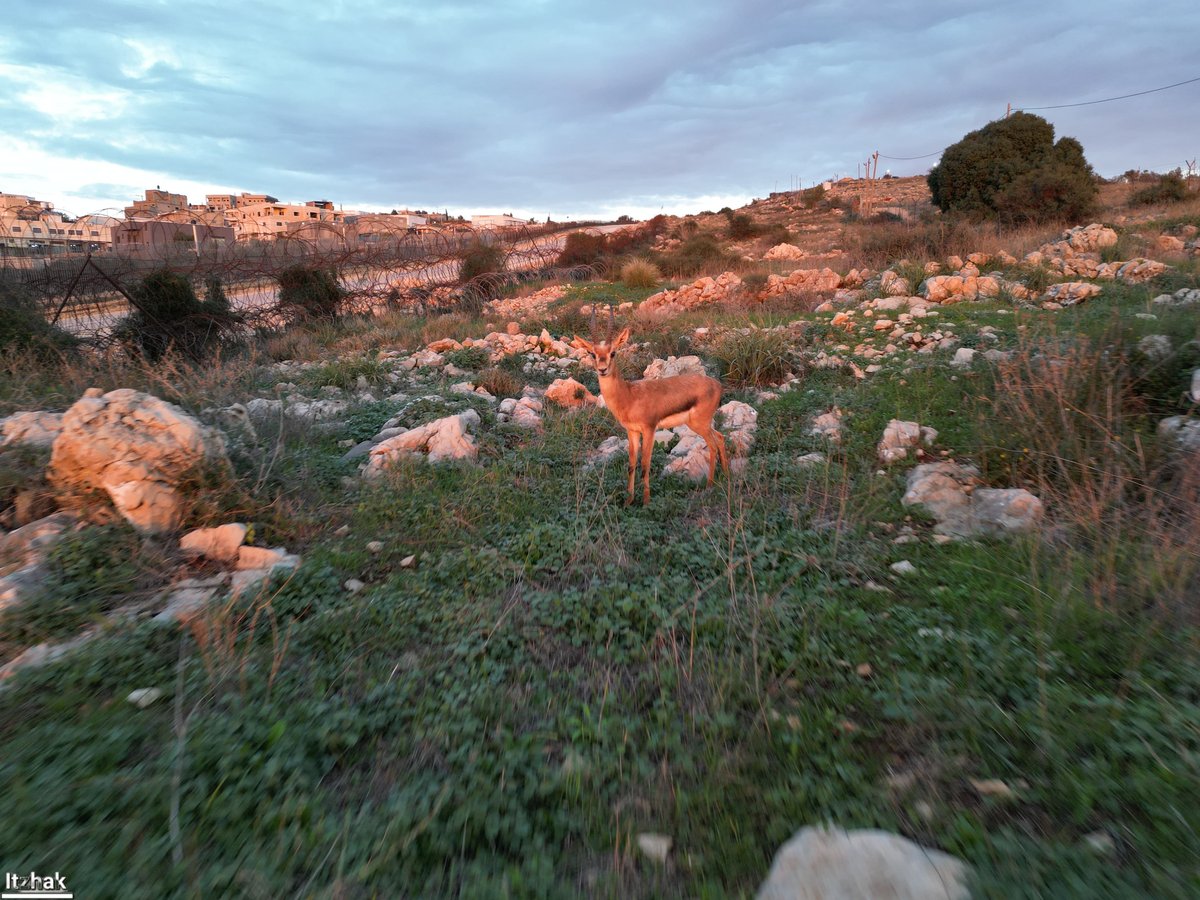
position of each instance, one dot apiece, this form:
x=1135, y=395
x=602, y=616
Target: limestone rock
x=524, y=412
x=829, y=425
x=137, y=449
x=448, y=438
x=736, y=420
x=952, y=494
x=187, y=598
x=221, y=543
x=785, y=251
x=900, y=437
x=569, y=393
x=37, y=429
x=674, y=365
x=1182, y=431
x=1068, y=293
x=822, y=864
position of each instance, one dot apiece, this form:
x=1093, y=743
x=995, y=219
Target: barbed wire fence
x=394, y=269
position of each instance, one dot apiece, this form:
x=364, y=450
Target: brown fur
x=642, y=407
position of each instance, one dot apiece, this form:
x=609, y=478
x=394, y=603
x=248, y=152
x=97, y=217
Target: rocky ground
x=385, y=599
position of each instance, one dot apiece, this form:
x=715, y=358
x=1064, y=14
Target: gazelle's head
x=604, y=354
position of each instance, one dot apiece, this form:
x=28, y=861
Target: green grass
x=558, y=673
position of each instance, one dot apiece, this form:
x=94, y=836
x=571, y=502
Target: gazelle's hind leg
x=647, y=455
x=716, y=443
x=635, y=438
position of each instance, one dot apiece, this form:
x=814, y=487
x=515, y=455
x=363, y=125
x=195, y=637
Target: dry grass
x=26, y=383
x=1068, y=423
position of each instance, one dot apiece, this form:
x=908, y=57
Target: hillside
x=355, y=607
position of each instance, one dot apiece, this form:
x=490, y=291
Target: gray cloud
x=571, y=106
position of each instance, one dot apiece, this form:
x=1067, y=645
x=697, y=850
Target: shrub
x=87, y=574
x=170, y=318
x=1012, y=169
x=883, y=244
x=640, y=274
x=756, y=358
x=23, y=327
x=812, y=197
x=1171, y=188
x=500, y=383
x=480, y=260
x=468, y=357
x=581, y=248
x=310, y=292
x=741, y=227
x=696, y=254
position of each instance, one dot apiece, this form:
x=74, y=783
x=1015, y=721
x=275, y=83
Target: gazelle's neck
x=612, y=385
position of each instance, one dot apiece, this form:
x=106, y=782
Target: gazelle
x=642, y=407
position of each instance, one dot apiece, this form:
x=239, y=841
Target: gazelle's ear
x=621, y=338
x=580, y=344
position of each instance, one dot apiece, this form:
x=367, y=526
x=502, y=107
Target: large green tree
x=1012, y=169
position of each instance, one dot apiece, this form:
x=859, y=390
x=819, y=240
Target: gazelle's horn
x=610, y=322
x=593, y=321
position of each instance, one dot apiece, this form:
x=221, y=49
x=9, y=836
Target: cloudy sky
x=568, y=109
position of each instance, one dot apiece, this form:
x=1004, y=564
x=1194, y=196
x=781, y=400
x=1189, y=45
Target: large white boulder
x=823, y=864
x=138, y=450
x=952, y=493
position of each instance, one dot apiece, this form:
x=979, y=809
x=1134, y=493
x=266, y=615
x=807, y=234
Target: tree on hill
x=1012, y=169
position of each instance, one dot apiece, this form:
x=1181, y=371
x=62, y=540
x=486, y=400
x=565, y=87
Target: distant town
x=31, y=227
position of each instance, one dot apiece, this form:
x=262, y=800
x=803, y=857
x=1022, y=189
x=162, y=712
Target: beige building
x=34, y=225
x=163, y=237
x=270, y=219
x=157, y=203
x=507, y=220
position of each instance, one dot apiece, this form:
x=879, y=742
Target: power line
x=1165, y=87
x=922, y=156
x=1110, y=99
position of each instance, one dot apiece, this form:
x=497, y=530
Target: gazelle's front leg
x=647, y=454
x=635, y=438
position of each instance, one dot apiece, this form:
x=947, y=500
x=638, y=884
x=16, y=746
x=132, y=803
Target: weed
x=755, y=358
x=468, y=357
x=640, y=274
x=500, y=383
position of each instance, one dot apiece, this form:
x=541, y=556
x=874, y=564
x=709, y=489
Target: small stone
x=353, y=585
x=904, y=567
x=408, y=562
x=1101, y=841
x=655, y=846
x=863, y=670
x=375, y=547
x=143, y=697
x=992, y=787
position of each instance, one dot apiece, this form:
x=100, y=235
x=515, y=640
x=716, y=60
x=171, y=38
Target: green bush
x=741, y=227
x=812, y=197
x=582, y=249
x=1012, y=169
x=757, y=358
x=168, y=317
x=23, y=327
x=481, y=260
x=1171, y=188
x=468, y=357
x=87, y=574
x=309, y=292
x=697, y=254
